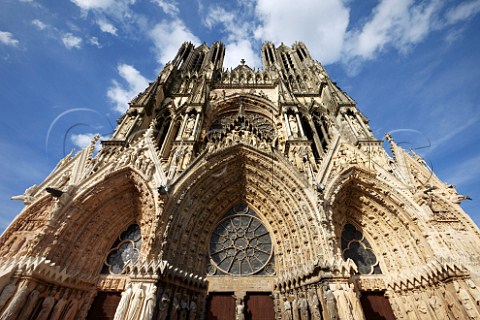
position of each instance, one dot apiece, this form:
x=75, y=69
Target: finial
x=242, y=61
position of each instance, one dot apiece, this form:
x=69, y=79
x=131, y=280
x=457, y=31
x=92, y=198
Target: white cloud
x=463, y=11
x=94, y=41
x=121, y=95
x=93, y=4
x=239, y=44
x=39, y=24
x=8, y=39
x=107, y=27
x=83, y=140
x=70, y=41
x=168, y=36
x=168, y=6
x=235, y=51
x=321, y=25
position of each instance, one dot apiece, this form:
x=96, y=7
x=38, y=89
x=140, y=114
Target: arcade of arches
x=241, y=194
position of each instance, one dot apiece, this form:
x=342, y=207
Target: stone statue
x=292, y=120
x=184, y=307
x=72, y=308
x=7, y=293
x=331, y=304
x=437, y=306
x=189, y=126
x=303, y=307
x=150, y=301
x=136, y=304
x=239, y=310
x=123, y=304
x=474, y=291
x=174, y=314
x=314, y=306
x=47, y=306
x=30, y=304
x=451, y=302
x=192, y=315
x=163, y=306
x=15, y=305
x=422, y=307
x=287, y=310
x=59, y=307
x=466, y=301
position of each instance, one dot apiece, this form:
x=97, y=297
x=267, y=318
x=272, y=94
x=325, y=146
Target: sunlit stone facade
x=241, y=194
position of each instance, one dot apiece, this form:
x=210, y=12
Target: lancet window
x=357, y=248
x=125, y=248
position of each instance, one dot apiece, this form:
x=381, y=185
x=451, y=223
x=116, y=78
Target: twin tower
x=241, y=194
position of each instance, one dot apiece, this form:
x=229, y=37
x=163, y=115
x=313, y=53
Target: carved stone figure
x=150, y=301
x=30, y=304
x=422, y=307
x=192, y=314
x=189, y=126
x=163, y=306
x=466, y=301
x=331, y=304
x=7, y=293
x=122, y=307
x=437, y=306
x=136, y=303
x=451, y=302
x=59, y=307
x=183, y=308
x=287, y=310
x=314, y=305
x=47, y=306
x=239, y=310
x=292, y=120
x=303, y=308
x=175, y=313
x=15, y=305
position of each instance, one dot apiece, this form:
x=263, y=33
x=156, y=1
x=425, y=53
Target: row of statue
x=30, y=301
x=139, y=301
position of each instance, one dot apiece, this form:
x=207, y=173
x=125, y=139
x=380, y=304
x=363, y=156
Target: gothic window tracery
x=126, y=248
x=356, y=247
x=241, y=245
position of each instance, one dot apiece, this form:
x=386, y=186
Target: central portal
x=255, y=306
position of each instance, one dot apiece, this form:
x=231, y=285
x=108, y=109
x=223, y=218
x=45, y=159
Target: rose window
x=125, y=248
x=241, y=244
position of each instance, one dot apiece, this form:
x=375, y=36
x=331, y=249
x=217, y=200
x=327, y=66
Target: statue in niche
x=30, y=304
x=175, y=307
x=59, y=307
x=47, y=306
x=303, y=307
x=150, y=301
x=421, y=306
x=189, y=126
x=239, y=310
x=437, y=306
x=287, y=309
x=183, y=308
x=331, y=304
x=295, y=309
x=314, y=305
x=292, y=120
x=466, y=301
x=192, y=315
x=136, y=304
x=124, y=301
x=344, y=304
x=72, y=307
x=15, y=305
x=451, y=302
x=163, y=307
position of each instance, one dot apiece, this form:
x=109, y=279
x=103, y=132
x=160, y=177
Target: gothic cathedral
x=241, y=194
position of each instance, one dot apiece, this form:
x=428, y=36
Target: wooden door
x=259, y=306
x=376, y=306
x=221, y=306
x=104, y=306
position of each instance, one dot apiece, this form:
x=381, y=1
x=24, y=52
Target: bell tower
x=241, y=193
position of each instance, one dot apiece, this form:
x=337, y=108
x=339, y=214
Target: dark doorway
x=221, y=306
x=104, y=306
x=376, y=306
x=259, y=306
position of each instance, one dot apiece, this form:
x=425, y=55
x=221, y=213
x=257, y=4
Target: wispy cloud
x=83, y=140
x=121, y=95
x=70, y=41
x=107, y=27
x=7, y=39
x=463, y=11
x=166, y=47
x=39, y=24
x=465, y=172
x=168, y=6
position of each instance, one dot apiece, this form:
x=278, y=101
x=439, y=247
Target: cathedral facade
x=241, y=194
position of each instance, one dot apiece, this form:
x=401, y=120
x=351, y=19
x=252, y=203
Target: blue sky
x=69, y=68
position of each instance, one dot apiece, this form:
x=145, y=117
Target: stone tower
x=241, y=194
